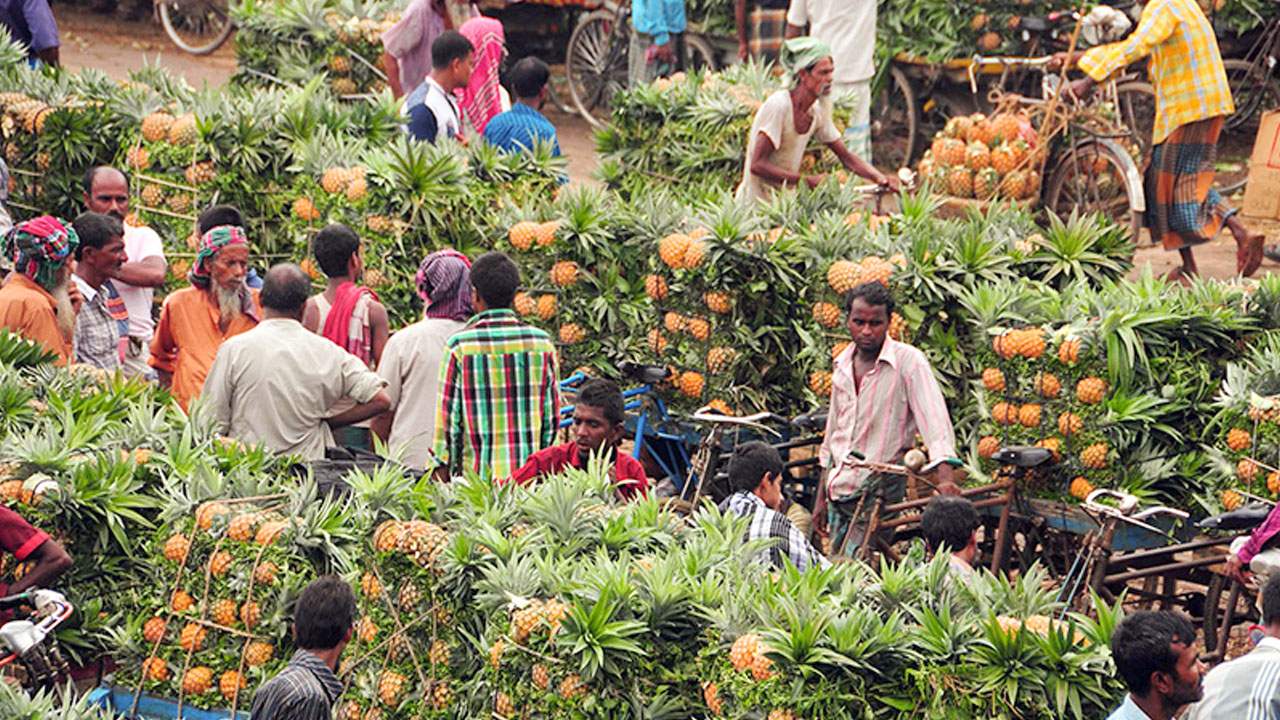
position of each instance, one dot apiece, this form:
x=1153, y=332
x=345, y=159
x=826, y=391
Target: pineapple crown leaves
x=871, y=645
x=797, y=644
x=603, y=645
x=384, y=493
x=61, y=702
x=668, y=598
x=1082, y=248
x=19, y=352
x=13, y=53
x=502, y=581
x=323, y=527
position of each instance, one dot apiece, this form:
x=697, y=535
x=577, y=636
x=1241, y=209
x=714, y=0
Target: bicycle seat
x=1024, y=457
x=644, y=373
x=1243, y=518
x=811, y=422
x=1039, y=24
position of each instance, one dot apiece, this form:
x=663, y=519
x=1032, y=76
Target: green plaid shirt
x=499, y=396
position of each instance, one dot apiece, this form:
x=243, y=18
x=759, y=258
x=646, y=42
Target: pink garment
x=1260, y=536
x=481, y=99
x=409, y=42
x=900, y=397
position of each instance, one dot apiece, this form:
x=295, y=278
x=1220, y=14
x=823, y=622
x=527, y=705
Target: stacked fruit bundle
x=217, y=628
x=40, y=137
x=1041, y=387
x=939, y=30
x=985, y=159
x=1249, y=450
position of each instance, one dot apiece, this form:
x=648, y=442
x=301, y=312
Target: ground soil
x=104, y=41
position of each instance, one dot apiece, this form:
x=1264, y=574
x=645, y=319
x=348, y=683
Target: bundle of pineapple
x=974, y=157
x=939, y=30
x=1245, y=452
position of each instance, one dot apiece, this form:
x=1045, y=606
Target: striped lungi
x=1183, y=208
x=768, y=32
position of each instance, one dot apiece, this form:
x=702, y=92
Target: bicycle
x=196, y=26
x=31, y=644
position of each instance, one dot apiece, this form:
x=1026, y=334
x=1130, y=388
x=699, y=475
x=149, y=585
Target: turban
x=210, y=243
x=40, y=247
x=444, y=281
x=803, y=53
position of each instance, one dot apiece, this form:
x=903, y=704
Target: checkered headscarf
x=210, y=243
x=444, y=281
x=40, y=247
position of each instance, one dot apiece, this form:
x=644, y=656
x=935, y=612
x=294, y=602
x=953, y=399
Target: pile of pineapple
x=1045, y=386
x=41, y=136
x=1249, y=448
x=985, y=158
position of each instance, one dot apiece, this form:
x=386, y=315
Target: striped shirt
x=499, y=396
x=768, y=523
x=899, y=399
x=96, y=340
x=1247, y=688
x=1186, y=66
x=305, y=690
x=518, y=128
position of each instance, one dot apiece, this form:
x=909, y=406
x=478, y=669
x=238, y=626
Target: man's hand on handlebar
x=1080, y=89
x=1065, y=59
x=947, y=480
x=890, y=183
x=1235, y=569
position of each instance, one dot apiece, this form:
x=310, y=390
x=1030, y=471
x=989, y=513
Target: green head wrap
x=803, y=53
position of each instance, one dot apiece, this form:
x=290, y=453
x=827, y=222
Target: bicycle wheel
x=197, y=26
x=895, y=120
x=1097, y=177
x=1137, y=108
x=596, y=63
x=1253, y=90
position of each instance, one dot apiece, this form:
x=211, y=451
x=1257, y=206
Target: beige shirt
x=777, y=121
x=274, y=385
x=848, y=26
x=411, y=368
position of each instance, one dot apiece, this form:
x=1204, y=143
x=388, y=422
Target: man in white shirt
x=275, y=384
x=106, y=191
x=431, y=108
x=1249, y=686
x=849, y=27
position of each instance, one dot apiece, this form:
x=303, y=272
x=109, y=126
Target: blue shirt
x=30, y=22
x=1128, y=710
x=518, y=128
x=659, y=18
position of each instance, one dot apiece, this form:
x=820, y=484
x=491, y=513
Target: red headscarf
x=481, y=99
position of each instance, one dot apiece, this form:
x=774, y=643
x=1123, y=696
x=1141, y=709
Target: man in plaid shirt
x=755, y=474
x=103, y=316
x=499, y=382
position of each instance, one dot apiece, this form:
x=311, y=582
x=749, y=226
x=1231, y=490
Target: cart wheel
x=197, y=26
x=596, y=63
x=699, y=56
x=1253, y=90
x=1090, y=178
x=895, y=120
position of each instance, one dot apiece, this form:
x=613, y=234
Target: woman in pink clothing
x=482, y=98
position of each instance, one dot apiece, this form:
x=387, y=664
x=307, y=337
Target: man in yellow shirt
x=1192, y=98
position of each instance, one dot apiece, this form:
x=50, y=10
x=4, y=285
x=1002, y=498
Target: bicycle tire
x=596, y=56
x=171, y=30
x=1076, y=184
x=886, y=117
x=1253, y=90
x=1137, y=108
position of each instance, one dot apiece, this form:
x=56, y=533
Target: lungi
x=1183, y=208
x=768, y=32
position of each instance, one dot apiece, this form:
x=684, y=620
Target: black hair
x=1271, y=601
x=95, y=230
x=334, y=245
x=750, y=462
x=948, y=523
x=528, y=77
x=219, y=215
x=324, y=613
x=285, y=289
x=1141, y=646
x=603, y=394
x=495, y=277
x=448, y=46
x=92, y=173
x=874, y=294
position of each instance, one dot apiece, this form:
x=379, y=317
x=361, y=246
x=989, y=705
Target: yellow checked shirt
x=1185, y=68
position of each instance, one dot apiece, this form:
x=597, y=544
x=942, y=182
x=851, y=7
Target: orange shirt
x=30, y=311
x=187, y=339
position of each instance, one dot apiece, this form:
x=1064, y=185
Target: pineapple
x=698, y=327
x=231, y=683
x=1094, y=457
x=183, y=131
x=694, y=254
x=1014, y=185
x=379, y=224
x=344, y=86
x=1047, y=385
x=657, y=342
x=357, y=190
x=179, y=202
x=820, y=382
x=366, y=630
x=546, y=232
x=993, y=380
x=1069, y=423
x=1069, y=351
x=720, y=406
x=1246, y=469
x=1273, y=483
x=441, y=696
x=370, y=586
x=958, y=127
x=1231, y=500
x=1030, y=343
x=335, y=180
x=1004, y=413
x=876, y=269
x=572, y=333
x=718, y=302
x=524, y=304
x=719, y=359
x=827, y=314
x=546, y=306
x=154, y=669
x=844, y=275
x=439, y=654
x=953, y=152
x=250, y=613
x=223, y=612
x=496, y=650
x=1054, y=445
x=672, y=250
x=1004, y=159
x=137, y=158
x=1081, y=487
x=572, y=687
x=340, y=64
x=655, y=287
x=199, y=173
x=988, y=446
x=1003, y=344
x=198, y=680
x=192, y=637
x=269, y=531
x=540, y=676
x=977, y=157
x=392, y=687
x=674, y=322
x=1090, y=390
x=986, y=183
x=180, y=601
x=177, y=547
x=691, y=383
x=760, y=666
x=781, y=714
x=1238, y=439
x=154, y=630
x=258, y=653
x=152, y=195
x=220, y=562
x=388, y=536
x=304, y=209
x=1006, y=127
x=564, y=273
x=1029, y=415
x=242, y=526
x=265, y=573
x=898, y=327
x=711, y=696
x=155, y=127
x=502, y=705
x=838, y=349
x=960, y=182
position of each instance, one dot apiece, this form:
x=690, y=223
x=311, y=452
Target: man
x=29, y=544
x=1256, y=551
x=1249, y=686
x=883, y=394
x=406, y=45
x=652, y=53
x=431, y=108
x=1156, y=655
x=99, y=257
x=412, y=359
x=38, y=300
x=106, y=191
x=346, y=313
x=762, y=30
x=6, y=220
x=597, y=429
x=521, y=127
x=950, y=525
x=783, y=125
x=755, y=476
x=274, y=385
x=216, y=306
x=308, y=686
x=1192, y=99
x=849, y=28
x=499, y=382
x=31, y=23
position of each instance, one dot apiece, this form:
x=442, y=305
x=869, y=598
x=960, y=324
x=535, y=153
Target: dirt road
x=115, y=46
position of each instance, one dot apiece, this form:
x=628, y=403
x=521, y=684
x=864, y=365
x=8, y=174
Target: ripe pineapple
x=1081, y=487
x=179, y=202
x=1238, y=439
x=572, y=687
x=304, y=209
x=223, y=612
x=340, y=64
x=177, y=547
x=1004, y=413
x=524, y=304
x=269, y=531
x=192, y=637
x=154, y=669
x=564, y=273
x=655, y=287
x=977, y=157
x=986, y=183
x=1069, y=351
x=718, y=302
x=960, y=182
x=357, y=189
x=231, y=683
x=387, y=536
x=898, y=327
x=370, y=586
x=180, y=601
x=694, y=254
x=155, y=127
x=698, y=327
x=781, y=714
x=711, y=696
x=1047, y=385
x=502, y=705
x=441, y=695
x=1054, y=445
x=1029, y=415
x=988, y=446
x=993, y=380
x=265, y=573
x=1246, y=469
x=672, y=250
x=719, y=359
x=152, y=195
x=546, y=307
x=1031, y=343
x=439, y=654
x=137, y=158
x=1069, y=423
x=952, y=152
x=199, y=173
x=844, y=275
x=409, y=596
x=958, y=127
x=876, y=269
x=540, y=676
x=657, y=343
x=827, y=314
x=692, y=383
x=1006, y=127
x=242, y=526
x=220, y=562
x=250, y=614
x=1014, y=185
x=820, y=382
x=760, y=667
x=1231, y=500
x=496, y=651
x=839, y=348
x=154, y=630
x=1090, y=390
x=1004, y=160
x=198, y=680
x=258, y=653
x=674, y=322
x=1094, y=457
x=546, y=232
x=344, y=86
x=572, y=333
x=1004, y=345
x=1273, y=483
x=379, y=224
x=183, y=130
x=392, y=687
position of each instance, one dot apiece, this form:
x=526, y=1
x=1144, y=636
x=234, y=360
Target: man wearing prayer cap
x=788, y=118
x=195, y=320
x=38, y=301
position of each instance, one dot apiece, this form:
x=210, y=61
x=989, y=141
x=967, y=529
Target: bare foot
x=1249, y=253
x=1179, y=275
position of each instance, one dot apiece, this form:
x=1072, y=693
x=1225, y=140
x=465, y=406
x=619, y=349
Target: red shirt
x=18, y=537
x=630, y=473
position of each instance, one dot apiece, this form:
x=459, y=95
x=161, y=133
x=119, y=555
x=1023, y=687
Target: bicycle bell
x=914, y=460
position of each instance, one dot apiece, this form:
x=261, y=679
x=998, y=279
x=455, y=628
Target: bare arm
x=311, y=316
x=380, y=326
x=147, y=272
x=392, y=68
x=857, y=165
x=740, y=17
x=794, y=31
x=765, y=169
x=379, y=404
x=49, y=56
x=51, y=561
x=381, y=425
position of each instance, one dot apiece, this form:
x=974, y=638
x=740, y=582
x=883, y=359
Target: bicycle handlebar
x=1125, y=510
x=708, y=414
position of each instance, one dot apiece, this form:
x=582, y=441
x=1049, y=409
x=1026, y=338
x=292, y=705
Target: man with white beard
x=195, y=320
x=38, y=301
